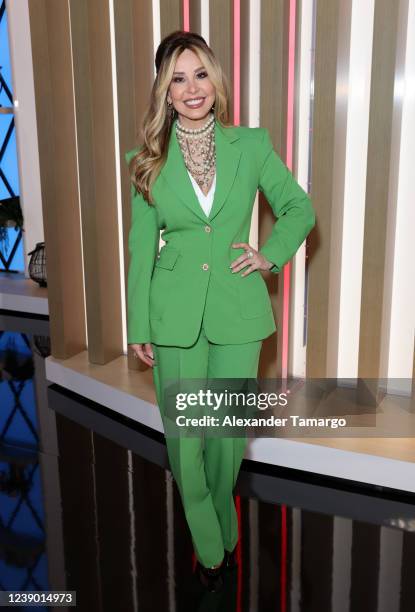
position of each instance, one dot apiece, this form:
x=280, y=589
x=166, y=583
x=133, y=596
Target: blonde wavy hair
x=157, y=120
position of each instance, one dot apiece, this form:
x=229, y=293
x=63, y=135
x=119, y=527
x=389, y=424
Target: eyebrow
x=195, y=70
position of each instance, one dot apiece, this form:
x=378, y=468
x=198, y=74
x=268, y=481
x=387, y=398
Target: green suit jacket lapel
x=227, y=161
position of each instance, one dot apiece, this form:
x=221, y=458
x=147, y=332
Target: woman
x=200, y=308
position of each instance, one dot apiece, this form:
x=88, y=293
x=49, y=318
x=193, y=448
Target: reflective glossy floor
x=87, y=504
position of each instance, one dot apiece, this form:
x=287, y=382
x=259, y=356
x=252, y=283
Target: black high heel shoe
x=230, y=562
x=210, y=578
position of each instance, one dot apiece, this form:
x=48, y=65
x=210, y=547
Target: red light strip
x=289, y=162
x=287, y=276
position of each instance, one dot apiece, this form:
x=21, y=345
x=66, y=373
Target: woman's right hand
x=144, y=352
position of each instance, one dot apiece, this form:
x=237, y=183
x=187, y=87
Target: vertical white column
x=119, y=160
x=156, y=42
x=297, y=351
x=204, y=19
x=402, y=323
x=358, y=101
x=156, y=29
x=25, y=122
x=254, y=89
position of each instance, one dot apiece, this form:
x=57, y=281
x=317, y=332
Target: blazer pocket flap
x=167, y=258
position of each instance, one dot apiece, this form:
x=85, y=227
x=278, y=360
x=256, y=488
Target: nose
x=193, y=86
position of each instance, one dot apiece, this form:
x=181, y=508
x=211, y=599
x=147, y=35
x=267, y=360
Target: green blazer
x=169, y=292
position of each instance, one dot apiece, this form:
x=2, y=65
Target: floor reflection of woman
x=190, y=314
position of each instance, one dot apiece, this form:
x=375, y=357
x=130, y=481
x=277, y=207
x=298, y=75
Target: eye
x=202, y=74
x=177, y=79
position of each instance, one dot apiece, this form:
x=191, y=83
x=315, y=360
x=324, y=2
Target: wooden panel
x=52, y=70
x=90, y=29
x=195, y=15
x=244, y=63
x=273, y=115
x=133, y=26
x=221, y=41
x=113, y=495
x=374, y=302
x=317, y=535
x=337, y=203
x=171, y=16
x=78, y=511
x=372, y=313
x=321, y=240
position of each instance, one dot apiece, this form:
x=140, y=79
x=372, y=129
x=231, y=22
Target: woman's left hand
x=254, y=262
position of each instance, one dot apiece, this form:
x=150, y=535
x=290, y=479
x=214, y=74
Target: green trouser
x=206, y=468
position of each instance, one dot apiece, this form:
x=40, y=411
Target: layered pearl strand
x=199, y=151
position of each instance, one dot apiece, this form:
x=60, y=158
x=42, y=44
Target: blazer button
x=207, y=228
x=205, y=266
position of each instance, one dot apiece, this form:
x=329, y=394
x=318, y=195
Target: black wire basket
x=37, y=264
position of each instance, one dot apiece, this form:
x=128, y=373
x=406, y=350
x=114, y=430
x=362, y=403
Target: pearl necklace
x=199, y=151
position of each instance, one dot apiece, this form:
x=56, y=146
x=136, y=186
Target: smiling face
x=190, y=81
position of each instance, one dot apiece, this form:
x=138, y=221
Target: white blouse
x=205, y=201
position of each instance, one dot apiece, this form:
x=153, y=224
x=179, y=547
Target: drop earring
x=170, y=109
